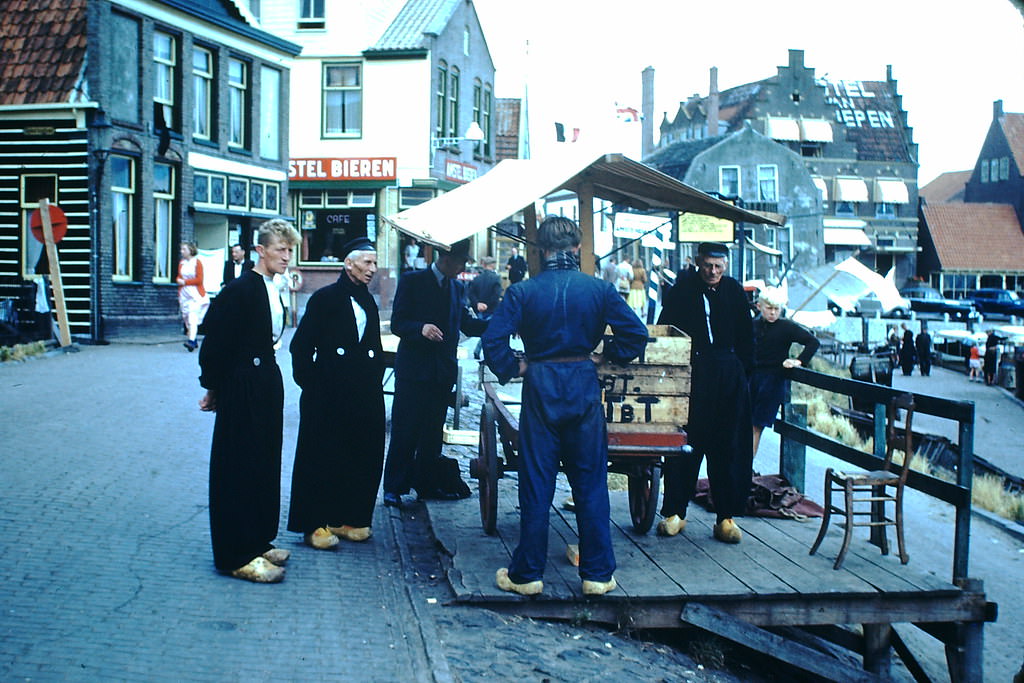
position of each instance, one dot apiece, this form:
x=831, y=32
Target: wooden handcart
x=646, y=404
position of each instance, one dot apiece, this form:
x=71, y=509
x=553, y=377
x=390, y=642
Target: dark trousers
x=417, y=420
x=720, y=429
x=245, y=466
x=562, y=420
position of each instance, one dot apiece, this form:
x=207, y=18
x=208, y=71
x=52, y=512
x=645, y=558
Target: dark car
x=924, y=299
x=997, y=302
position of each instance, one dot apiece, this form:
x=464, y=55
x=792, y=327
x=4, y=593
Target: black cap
x=357, y=244
x=460, y=249
x=713, y=250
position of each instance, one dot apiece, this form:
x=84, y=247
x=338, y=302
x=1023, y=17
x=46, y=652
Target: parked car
x=924, y=299
x=997, y=302
x=869, y=305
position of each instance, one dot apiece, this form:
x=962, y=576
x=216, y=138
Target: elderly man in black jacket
x=712, y=309
x=428, y=313
x=337, y=360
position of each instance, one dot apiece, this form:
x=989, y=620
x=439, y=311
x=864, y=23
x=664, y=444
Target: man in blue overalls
x=561, y=315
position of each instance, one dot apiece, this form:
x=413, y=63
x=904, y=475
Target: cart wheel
x=487, y=470
x=643, y=497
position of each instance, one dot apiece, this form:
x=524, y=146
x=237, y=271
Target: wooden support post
x=585, y=194
x=792, y=453
x=877, y=658
x=964, y=656
x=965, y=478
x=534, y=258
x=55, y=278
x=878, y=533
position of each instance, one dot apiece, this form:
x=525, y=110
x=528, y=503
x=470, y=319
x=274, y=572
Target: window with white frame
x=1004, y=168
x=163, y=204
x=208, y=190
x=164, y=64
x=122, y=208
x=994, y=172
x=34, y=187
x=767, y=183
x=202, y=85
x=328, y=219
x=312, y=14
x=885, y=210
x=478, y=96
x=453, y=103
x=238, y=102
x=485, y=118
x=263, y=196
x=984, y=170
x=729, y=181
x=441, y=101
x=270, y=113
x=343, y=100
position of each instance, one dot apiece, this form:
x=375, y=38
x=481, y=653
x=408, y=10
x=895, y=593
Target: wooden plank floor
x=771, y=565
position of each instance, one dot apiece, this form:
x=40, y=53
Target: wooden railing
x=795, y=436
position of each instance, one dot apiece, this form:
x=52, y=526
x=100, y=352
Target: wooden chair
x=870, y=491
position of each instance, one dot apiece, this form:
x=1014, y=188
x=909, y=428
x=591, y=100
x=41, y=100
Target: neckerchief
x=562, y=260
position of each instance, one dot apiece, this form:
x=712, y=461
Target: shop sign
x=349, y=168
x=459, y=172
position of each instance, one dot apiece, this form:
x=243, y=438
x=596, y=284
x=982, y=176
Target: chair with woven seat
x=865, y=494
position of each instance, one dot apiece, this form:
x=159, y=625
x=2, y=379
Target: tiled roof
x=506, y=127
x=1013, y=129
x=42, y=50
x=416, y=19
x=675, y=159
x=984, y=237
x=948, y=187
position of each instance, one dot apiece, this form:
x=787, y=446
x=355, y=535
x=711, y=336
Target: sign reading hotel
x=695, y=227
x=354, y=168
x=459, y=172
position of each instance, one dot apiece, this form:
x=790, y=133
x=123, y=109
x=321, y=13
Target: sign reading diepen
x=358, y=168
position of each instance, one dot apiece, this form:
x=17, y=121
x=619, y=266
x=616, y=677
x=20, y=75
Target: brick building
x=149, y=122
x=852, y=137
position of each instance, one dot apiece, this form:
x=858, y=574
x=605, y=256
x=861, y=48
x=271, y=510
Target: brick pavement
x=109, y=576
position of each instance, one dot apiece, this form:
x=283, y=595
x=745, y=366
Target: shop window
x=311, y=198
x=208, y=190
x=122, y=208
x=34, y=188
x=336, y=198
x=163, y=204
x=326, y=231
x=238, y=193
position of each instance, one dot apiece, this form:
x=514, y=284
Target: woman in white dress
x=192, y=296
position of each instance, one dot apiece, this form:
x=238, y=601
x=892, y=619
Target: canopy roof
x=514, y=184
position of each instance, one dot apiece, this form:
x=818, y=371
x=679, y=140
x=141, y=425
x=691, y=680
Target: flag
x=626, y=114
x=560, y=133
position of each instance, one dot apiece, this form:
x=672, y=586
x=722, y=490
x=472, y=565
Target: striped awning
x=851, y=190
x=891, y=192
x=782, y=129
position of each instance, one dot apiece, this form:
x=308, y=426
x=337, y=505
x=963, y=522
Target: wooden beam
x=792, y=653
x=533, y=256
x=55, y=278
x=585, y=195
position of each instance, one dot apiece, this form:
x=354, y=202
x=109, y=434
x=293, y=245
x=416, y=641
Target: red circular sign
x=57, y=219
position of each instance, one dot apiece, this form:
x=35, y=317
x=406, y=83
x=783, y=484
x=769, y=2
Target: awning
x=822, y=186
x=851, y=190
x=830, y=222
x=891, y=192
x=816, y=130
x=850, y=237
x=782, y=129
x=516, y=183
x=763, y=248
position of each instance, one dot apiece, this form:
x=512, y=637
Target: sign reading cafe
x=351, y=168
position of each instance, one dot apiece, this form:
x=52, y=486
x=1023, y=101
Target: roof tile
x=42, y=49
x=976, y=236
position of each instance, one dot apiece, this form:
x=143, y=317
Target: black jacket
x=229, y=270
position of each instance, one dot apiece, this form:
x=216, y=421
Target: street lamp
x=99, y=127
x=474, y=133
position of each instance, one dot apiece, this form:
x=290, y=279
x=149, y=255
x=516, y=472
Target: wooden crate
x=653, y=390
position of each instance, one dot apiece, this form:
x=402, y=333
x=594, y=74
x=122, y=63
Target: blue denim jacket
x=561, y=313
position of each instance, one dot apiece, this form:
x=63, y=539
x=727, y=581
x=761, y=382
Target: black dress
x=339, y=456
x=238, y=364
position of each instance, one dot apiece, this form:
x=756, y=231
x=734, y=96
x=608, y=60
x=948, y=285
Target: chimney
x=997, y=110
x=713, y=104
x=647, y=113
x=796, y=59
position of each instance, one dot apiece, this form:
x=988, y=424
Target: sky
x=579, y=58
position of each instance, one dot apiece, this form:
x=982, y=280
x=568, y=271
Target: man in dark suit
x=337, y=360
x=236, y=265
x=484, y=293
x=428, y=312
x=516, y=267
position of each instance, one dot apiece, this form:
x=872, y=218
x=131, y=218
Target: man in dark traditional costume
x=337, y=360
x=712, y=309
x=243, y=385
x=561, y=315
x=428, y=312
